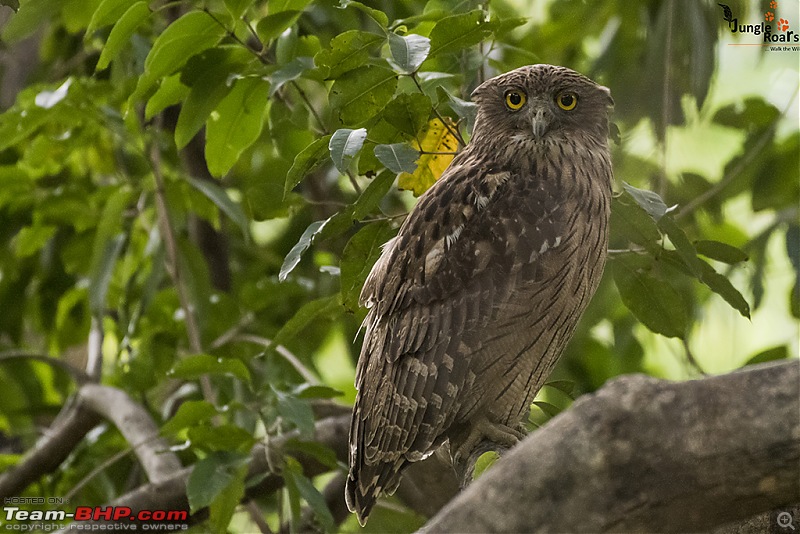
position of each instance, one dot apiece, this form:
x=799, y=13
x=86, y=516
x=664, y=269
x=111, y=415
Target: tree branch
x=647, y=455
x=57, y=443
x=136, y=425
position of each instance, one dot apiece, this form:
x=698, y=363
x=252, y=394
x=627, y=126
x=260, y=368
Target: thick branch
x=136, y=425
x=647, y=455
x=58, y=442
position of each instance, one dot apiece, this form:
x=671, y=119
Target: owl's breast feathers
x=483, y=252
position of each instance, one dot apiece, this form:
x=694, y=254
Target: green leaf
x=769, y=355
x=275, y=24
x=208, y=75
x=454, y=33
x=29, y=16
x=409, y=51
x=654, y=302
x=348, y=51
x=237, y=7
x=293, y=257
x=377, y=15
x=314, y=499
x=189, y=35
x=648, y=200
x=218, y=196
x=358, y=257
x=484, y=462
x=309, y=159
x=107, y=12
x=465, y=110
x=318, y=451
x=296, y=411
x=170, y=92
x=100, y=275
x=31, y=239
x=221, y=438
x=289, y=72
x=634, y=223
x=682, y=245
x=276, y=6
x=121, y=33
x=224, y=505
x=361, y=93
x=190, y=413
x=565, y=386
x=194, y=366
x=398, y=157
x=13, y=4
x=723, y=287
x=550, y=409
x=373, y=194
x=213, y=476
x=344, y=145
x=310, y=391
x=720, y=251
x=236, y=124
x=316, y=310
x=408, y=112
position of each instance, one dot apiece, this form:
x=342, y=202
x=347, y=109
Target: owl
x=474, y=300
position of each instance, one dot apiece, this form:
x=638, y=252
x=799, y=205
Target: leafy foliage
x=198, y=190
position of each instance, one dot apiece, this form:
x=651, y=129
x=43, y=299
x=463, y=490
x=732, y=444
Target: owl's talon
x=499, y=434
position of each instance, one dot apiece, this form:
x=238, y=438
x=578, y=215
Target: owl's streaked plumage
x=473, y=302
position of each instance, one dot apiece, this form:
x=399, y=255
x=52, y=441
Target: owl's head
x=541, y=103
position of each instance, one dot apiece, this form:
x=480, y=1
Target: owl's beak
x=541, y=117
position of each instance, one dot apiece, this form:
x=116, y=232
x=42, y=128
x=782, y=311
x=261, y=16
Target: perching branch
x=647, y=455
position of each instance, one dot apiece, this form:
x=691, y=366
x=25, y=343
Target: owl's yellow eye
x=515, y=100
x=567, y=101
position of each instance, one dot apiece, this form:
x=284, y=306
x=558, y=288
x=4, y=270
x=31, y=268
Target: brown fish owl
x=473, y=302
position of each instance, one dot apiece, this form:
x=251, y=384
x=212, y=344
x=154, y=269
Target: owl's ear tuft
x=480, y=91
x=607, y=92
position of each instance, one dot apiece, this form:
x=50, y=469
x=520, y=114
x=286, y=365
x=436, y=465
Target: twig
x=353, y=181
x=699, y=200
x=690, y=357
x=79, y=376
x=311, y=109
x=304, y=371
x=173, y=265
x=255, y=514
x=454, y=133
x=97, y=470
x=94, y=358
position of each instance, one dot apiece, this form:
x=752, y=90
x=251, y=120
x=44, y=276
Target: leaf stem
x=454, y=133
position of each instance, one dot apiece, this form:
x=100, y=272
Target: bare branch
x=647, y=455
x=136, y=425
x=58, y=442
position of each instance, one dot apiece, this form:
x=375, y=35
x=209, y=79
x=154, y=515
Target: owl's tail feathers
x=366, y=482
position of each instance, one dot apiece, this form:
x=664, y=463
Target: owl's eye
x=567, y=101
x=515, y=100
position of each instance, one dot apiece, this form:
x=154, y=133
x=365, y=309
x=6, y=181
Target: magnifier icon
x=785, y=520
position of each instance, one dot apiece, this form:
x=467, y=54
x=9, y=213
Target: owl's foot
x=484, y=435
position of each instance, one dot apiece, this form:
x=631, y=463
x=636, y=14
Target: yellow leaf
x=436, y=138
